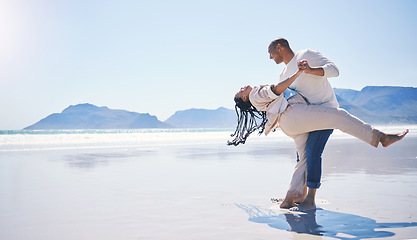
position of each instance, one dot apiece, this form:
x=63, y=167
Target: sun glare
x=11, y=26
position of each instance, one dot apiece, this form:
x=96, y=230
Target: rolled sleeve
x=330, y=70
x=270, y=93
x=316, y=59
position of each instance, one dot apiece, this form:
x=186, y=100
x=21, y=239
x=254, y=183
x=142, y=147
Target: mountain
x=88, y=116
x=203, y=118
x=380, y=104
x=376, y=105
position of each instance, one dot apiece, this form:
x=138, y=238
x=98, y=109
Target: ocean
x=32, y=140
x=26, y=140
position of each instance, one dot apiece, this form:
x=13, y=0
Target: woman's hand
x=301, y=68
x=303, y=65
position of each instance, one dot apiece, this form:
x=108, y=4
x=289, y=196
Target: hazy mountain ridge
x=383, y=105
x=203, y=118
x=374, y=104
x=88, y=116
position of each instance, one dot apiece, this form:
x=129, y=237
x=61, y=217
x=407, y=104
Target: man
x=315, y=87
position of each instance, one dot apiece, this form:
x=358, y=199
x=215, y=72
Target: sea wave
x=23, y=140
x=109, y=131
x=34, y=140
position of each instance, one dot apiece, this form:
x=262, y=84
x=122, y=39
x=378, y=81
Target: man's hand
x=303, y=65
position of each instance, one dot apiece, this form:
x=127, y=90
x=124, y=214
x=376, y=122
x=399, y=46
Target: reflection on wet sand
x=323, y=223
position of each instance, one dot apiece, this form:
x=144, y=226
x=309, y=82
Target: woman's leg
x=302, y=118
x=298, y=181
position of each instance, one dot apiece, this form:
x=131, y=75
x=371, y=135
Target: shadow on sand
x=323, y=223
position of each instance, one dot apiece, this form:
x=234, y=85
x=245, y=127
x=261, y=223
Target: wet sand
x=206, y=191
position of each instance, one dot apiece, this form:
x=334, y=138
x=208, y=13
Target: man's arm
x=319, y=71
x=319, y=65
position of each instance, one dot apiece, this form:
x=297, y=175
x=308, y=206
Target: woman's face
x=244, y=93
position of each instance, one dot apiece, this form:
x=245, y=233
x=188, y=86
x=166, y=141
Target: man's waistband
x=288, y=93
x=297, y=99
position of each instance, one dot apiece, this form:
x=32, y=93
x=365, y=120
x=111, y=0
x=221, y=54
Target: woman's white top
x=264, y=99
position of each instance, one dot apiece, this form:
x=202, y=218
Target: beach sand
x=205, y=190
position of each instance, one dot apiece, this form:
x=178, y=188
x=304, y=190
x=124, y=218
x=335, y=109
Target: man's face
x=274, y=53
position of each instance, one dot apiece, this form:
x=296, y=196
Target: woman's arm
x=319, y=71
x=280, y=87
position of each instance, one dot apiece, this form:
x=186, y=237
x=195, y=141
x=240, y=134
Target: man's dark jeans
x=314, y=148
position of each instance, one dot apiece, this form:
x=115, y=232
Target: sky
x=159, y=57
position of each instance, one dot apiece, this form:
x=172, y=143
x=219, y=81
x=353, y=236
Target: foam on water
x=21, y=140
x=78, y=139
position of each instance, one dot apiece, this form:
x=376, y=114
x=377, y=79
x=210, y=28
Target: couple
x=304, y=106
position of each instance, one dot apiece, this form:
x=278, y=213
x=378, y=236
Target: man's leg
x=314, y=149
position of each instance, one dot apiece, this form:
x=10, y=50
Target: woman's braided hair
x=249, y=119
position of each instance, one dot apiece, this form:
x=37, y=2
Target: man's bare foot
x=287, y=203
x=388, y=139
x=307, y=205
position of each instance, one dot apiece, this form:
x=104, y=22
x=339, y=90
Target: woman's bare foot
x=301, y=198
x=287, y=203
x=388, y=139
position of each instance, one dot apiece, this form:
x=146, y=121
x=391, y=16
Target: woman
x=265, y=108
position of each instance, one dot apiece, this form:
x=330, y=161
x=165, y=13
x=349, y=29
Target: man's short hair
x=281, y=41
